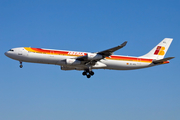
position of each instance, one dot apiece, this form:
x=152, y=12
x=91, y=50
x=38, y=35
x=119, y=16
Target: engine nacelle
x=72, y=62
x=94, y=56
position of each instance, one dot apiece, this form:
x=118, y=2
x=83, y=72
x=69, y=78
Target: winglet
x=124, y=44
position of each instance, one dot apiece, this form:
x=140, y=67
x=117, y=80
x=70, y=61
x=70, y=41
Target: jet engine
x=94, y=56
x=72, y=62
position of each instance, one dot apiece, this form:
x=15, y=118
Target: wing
x=102, y=54
x=110, y=51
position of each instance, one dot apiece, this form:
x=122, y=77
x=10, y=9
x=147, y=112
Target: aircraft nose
x=7, y=54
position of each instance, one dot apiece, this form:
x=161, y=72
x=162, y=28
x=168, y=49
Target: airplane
x=86, y=61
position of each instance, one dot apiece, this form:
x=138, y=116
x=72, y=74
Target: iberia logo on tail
x=159, y=50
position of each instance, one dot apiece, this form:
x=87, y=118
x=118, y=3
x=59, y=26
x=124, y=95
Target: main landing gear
x=21, y=64
x=88, y=73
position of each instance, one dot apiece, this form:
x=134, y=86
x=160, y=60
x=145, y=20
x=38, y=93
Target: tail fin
x=159, y=51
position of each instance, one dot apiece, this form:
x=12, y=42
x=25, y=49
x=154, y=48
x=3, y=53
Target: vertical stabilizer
x=159, y=51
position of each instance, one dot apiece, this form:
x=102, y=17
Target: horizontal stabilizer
x=162, y=60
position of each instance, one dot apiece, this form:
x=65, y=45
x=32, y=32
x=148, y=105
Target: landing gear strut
x=21, y=64
x=88, y=73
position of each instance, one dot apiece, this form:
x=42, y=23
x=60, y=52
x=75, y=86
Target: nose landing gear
x=21, y=64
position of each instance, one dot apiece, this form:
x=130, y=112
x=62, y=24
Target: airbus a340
x=85, y=61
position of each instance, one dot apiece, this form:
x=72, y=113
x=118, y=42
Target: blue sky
x=44, y=92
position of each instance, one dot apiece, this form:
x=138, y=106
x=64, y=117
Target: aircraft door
x=20, y=53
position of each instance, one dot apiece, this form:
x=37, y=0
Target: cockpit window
x=11, y=50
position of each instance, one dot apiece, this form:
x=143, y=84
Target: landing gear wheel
x=84, y=73
x=20, y=64
x=88, y=72
x=88, y=76
x=91, y=73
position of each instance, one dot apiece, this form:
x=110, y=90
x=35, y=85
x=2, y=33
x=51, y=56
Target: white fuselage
x=58, y=57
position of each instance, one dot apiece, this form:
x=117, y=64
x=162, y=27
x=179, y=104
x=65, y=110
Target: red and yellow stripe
x=51, y=52
x=66, y=53
x=132, y=59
